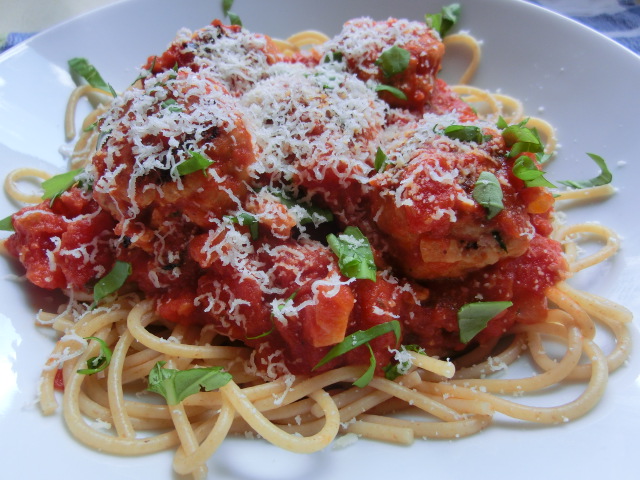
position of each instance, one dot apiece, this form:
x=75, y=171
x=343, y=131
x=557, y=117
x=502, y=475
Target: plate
x=582, y=82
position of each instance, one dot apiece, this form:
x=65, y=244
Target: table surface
x=29, y=16
x=36, y=15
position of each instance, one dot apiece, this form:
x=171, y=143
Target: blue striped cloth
x=618, y=19
x=12, y=39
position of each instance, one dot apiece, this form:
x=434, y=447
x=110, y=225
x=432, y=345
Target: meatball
x=237, y=57
x=275, y=295
x=174, y=159
x=424, y=202
x=65, y=243
x=363, y=41
x=176, y=151
x=315, y=132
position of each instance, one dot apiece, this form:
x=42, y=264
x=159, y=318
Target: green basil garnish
x=380, y=162
x=234, y=19
x=474, y=317
x=312, y=212
x=526, y=170
x=394, y=60
x=196, y=161
x=488, y=193
x=498, y=238
x=99, y=363
x=355, y=257
x=333, y=57
x=227, y=5
x=82, y=67
x=6, y=224
x=466, y=133
x=604, y=178
x=394, y=370
x=146, y=72
x=520, y=138
x=396, y=92
x=443, y=20
x=247, y=219
x=280, y=308
x=366, y=377
x=176, y=385
x=362, y=337
x=112, y=281
x=171, y=105
x=58, y=184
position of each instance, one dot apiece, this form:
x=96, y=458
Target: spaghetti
x=288, y=396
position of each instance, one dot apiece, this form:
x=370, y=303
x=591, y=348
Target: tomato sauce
x=219, y=246
x=65, y=243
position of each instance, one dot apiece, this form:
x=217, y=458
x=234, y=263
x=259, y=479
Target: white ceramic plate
x=577, y=79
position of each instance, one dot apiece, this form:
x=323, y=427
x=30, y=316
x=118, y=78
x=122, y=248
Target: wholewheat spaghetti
x=443, y=392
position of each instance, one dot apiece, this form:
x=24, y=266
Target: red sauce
x=417, y=81
x=272, y=282
x=72, y=234
x=58, y=381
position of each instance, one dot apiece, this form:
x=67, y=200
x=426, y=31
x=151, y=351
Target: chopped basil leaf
x=380, y=162
x=543, y=158
x=525, y=169
x=414, y=348
x=58, y=184
x=82, y=67
x=289, y=299
x=396, y=92
x=474, y=317
x=499, y=240
x=327, y=86
x=226, y=10
x=196, y=161
x=99, y=363
x=171, y=105
x=353, y=250
x=88, y=128
x=360, y=338
x=102, y=138
x=312, y=212
x=6, y=224
x=445, y=19
x=333, y=57
x=226, y=6
x=234, y=19
x=316, y=213
x=263, y=334
x=466, y=133
x=525, y=147
x=279, y=307
x=501, y=123
x=146, y=72
x=366, y=377
x=394, y=370
x=176, y=385
x=112, y=281
x=604, y=178
x=394, y=60
x=246, y=219
x=488, y=193
x=520, y=139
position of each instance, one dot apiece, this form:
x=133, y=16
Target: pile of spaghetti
x=301, y=243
